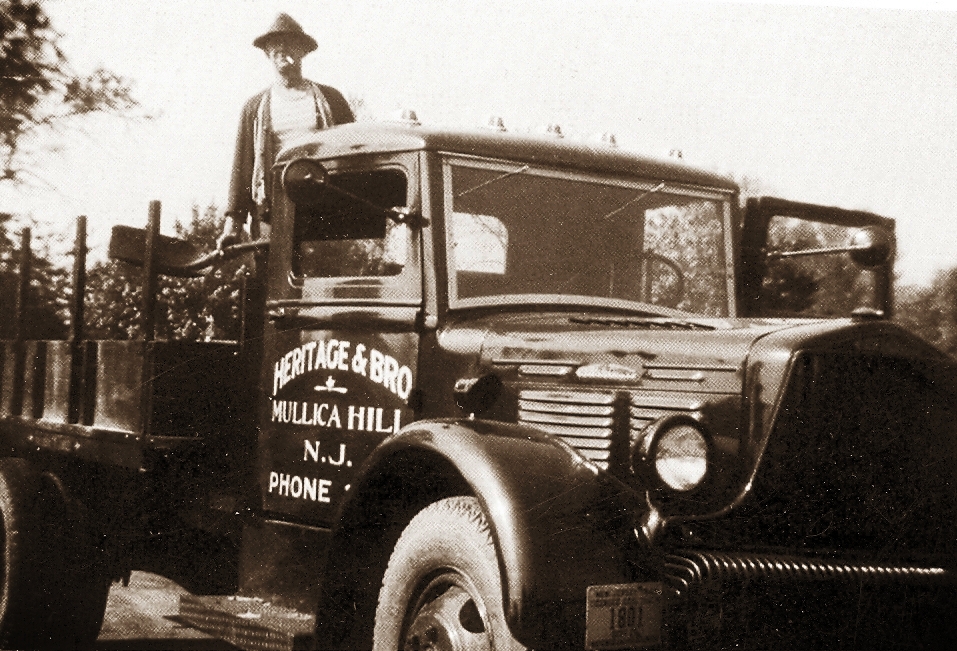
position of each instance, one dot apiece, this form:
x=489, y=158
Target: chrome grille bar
x=582, y=419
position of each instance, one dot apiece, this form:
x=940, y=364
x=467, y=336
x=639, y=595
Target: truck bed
x=112, y=401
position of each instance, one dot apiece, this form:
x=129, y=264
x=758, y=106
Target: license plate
x=623, y=616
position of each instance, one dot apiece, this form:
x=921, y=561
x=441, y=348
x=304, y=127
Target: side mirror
x=305, y=181
x=871, y=247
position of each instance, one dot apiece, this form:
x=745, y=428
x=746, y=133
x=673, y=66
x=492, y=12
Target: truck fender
x=558, y=523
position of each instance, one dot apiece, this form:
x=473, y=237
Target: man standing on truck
x=292, y=107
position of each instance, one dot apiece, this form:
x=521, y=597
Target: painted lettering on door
x=339, y=355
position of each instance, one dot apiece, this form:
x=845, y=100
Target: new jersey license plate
x=622, y=616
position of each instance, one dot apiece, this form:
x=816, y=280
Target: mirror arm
x=775, y=255
x=398, y=214
x=224, y=254
x=403, y=215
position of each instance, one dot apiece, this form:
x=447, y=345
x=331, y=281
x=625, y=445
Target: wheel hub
x=450, y=622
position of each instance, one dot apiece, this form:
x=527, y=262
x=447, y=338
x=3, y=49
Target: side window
x=346, y=233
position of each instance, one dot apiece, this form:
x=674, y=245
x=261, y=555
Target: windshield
x=513, y=229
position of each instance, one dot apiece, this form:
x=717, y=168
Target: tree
x=40, y=91
x=358, y=105
x=206, y=307
x=46, y=303
x=931, y=312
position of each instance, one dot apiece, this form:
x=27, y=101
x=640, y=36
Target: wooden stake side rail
x=104, y=412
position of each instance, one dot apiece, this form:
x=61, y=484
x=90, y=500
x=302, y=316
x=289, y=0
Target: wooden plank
x=172, y=254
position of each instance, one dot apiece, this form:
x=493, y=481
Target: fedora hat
x=286, y=29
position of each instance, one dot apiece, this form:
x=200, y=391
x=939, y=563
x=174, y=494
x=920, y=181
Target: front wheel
x=442, y=588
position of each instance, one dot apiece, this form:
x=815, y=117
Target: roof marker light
x=405, y=116
x=607, y=139
x=495, y=123
x=553, y=130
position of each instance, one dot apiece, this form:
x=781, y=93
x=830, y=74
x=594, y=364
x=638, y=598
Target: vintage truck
x=497, y=391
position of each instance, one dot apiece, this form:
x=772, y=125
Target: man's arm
x=240, y=202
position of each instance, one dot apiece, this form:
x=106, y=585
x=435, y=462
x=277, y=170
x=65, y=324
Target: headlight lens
x=681, y=457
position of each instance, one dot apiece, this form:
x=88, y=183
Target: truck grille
x=586, y=419
x=582, y=419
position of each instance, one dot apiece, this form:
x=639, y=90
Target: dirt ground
x=141, y=617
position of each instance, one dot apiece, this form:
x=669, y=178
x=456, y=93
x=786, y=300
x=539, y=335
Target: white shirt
x=293, y=113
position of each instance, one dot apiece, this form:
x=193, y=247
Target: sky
x=851, y=104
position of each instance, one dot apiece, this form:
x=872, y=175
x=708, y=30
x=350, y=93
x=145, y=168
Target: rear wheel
x=23, y=600
x=85, y=586
x=52, y=589
x=442, y=588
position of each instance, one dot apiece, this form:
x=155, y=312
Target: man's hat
x=286, y=29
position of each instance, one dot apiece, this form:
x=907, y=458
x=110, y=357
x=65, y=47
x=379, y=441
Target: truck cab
x=559, y=333
x=502, y=391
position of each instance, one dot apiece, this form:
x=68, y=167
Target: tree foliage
x=202, y=308
x=46, y=304
x=40, y=91
x=931, y=311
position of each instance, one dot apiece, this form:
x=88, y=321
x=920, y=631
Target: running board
x=248, y=622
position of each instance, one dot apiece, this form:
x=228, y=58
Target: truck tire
x=25, y=584
x=52, y=593
x=442, y=588
x=85, y=586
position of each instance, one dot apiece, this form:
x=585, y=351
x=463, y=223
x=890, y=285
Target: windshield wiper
x=520, y=170
x=640, y=197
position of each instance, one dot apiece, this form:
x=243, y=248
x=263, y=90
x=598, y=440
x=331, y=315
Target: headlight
x=673, y=454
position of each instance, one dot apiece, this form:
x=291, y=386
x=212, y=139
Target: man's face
x=286, y=56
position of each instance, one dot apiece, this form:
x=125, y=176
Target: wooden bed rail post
x=23, y=286
x=20, y=322
x=150, y=281
x=149, y=272
x=79, y=281
x=77, y=315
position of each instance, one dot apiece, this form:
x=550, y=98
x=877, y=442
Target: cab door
x=802, y=260
x=340, y=340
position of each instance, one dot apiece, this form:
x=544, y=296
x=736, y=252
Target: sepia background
x=851, y=104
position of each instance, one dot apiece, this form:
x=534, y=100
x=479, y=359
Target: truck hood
x=732, y=375
x=574, y=339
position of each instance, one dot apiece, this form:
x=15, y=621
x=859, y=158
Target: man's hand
x=232, y=233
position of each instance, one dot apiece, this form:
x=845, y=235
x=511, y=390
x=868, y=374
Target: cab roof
x=382, y=138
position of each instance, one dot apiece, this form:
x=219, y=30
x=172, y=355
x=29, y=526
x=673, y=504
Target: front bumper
x=719, y=600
